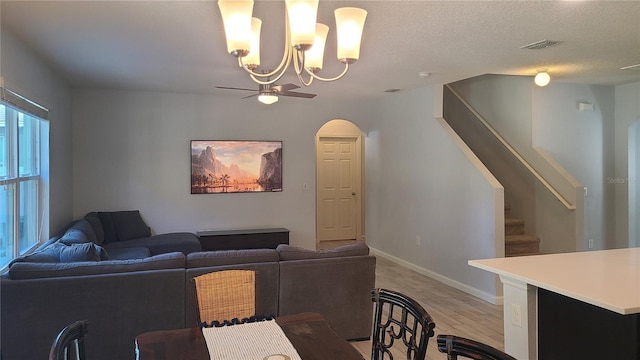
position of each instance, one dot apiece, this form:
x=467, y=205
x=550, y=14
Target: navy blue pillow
x=110, y=234
x=129, y=225
x=96, y=224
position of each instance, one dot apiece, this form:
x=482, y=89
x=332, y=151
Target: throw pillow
x=79, y=252
x=73, y=236
x=96, y=224
x=49, y=254
x=129, y=225
x=110, y=234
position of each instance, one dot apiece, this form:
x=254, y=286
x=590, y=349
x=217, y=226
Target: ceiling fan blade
x=285, y=87
x=233, y=88
x=297, y=94
x=248, y=96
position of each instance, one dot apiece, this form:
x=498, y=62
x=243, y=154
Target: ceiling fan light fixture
x=268, y=98
x=542, y=78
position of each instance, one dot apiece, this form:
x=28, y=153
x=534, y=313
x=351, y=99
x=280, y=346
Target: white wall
x=420, y=184
x=131, y=151
x=577, y=140
x=627, y=110
x=27, y=75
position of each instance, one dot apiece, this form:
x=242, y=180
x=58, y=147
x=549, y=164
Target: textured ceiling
x=179, y=45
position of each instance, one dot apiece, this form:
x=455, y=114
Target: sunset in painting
x=235, y=166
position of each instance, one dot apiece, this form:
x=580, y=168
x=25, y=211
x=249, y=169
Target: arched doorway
x=339, y=184
x=633, y=183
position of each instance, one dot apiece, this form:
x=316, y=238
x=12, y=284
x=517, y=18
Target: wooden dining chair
x=401, y=326
x=455, y=346
x=70, y=342
x=225, y=295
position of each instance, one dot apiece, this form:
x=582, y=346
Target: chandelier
x=304, y=39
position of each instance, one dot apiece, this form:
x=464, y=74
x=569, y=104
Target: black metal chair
x=398, y=317
x=455, y=346
x=70, y=341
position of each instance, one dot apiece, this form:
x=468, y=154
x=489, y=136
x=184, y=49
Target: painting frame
x=236, y=166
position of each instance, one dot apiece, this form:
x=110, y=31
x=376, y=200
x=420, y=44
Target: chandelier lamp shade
x=304, y=39
x=542, y=78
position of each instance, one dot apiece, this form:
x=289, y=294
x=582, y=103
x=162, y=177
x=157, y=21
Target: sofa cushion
x=79, y=252
x=129, y=225
x=86, y=228
x=288, y=252
x=129, y=253
x=93, y=219
x=231, y=257
x=23, y=270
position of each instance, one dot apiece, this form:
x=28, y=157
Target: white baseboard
x=496, y=300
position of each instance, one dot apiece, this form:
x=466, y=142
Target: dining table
x=309, y=333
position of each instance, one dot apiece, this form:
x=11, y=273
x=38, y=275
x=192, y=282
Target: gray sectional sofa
x=133, y=290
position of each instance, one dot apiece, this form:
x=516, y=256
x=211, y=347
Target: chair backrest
x=225, y=295
x=401, y=327
x=70, y=341
x=455, y=346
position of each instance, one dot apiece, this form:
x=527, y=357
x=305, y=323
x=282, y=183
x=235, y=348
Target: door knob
x=353, y=193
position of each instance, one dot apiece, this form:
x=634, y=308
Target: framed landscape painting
x=239, y=166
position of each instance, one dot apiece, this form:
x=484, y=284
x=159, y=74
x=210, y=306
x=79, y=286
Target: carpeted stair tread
x=521, y=239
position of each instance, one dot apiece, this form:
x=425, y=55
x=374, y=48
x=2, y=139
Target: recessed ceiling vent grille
x=542, y=44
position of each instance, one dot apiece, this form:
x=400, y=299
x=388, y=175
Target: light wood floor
x=454, y=312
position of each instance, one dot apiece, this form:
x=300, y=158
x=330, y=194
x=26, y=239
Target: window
x=23, y=151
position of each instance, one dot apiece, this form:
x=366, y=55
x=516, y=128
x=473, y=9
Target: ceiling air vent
x=542, y=44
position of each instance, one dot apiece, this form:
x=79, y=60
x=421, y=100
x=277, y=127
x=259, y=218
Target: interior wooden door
x=338, y=189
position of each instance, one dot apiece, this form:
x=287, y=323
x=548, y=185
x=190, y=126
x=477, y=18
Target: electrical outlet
x=516, y=315
x=590, y=243
x=418, y=240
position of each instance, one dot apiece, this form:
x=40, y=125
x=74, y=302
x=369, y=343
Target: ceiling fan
x=268, y=94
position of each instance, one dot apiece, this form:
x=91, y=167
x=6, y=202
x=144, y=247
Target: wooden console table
x=270, y=238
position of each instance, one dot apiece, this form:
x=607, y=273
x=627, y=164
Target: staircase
x=516, y=242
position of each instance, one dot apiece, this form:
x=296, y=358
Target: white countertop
x=608, y=278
